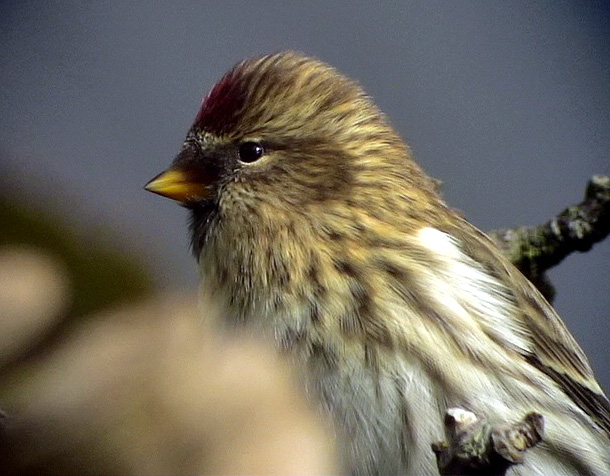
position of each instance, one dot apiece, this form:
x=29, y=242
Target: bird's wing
x=553, y=350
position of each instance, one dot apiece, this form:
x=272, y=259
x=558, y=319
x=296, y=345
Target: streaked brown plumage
x=312, y=224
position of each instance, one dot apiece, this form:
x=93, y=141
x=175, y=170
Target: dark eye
x=250, y=152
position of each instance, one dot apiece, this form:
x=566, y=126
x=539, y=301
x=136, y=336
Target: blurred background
x=507, y=103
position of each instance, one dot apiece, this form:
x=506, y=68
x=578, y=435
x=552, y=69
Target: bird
x=314, y=227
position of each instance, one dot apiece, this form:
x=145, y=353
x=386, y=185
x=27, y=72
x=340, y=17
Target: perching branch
x=536, y=249
x=475, y=447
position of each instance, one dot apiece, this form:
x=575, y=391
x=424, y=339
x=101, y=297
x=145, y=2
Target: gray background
x=507, y=102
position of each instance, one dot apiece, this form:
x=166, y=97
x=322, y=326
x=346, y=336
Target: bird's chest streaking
x=329, y=310
x=349, y=312
x=370, y=328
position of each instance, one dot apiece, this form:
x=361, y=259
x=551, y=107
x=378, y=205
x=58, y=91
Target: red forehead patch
x=221, y=108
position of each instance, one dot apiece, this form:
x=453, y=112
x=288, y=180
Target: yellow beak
x=179, y=185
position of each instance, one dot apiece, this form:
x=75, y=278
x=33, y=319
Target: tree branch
x=475, y=447
x=536, y=249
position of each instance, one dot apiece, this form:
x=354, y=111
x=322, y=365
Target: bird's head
x=283, y=135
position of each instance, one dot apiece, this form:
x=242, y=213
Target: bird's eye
x=250, y=152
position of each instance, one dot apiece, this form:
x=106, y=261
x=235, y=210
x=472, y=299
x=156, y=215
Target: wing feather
x=553, y=351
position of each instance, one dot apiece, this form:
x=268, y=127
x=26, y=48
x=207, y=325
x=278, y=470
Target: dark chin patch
x=201, y=215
